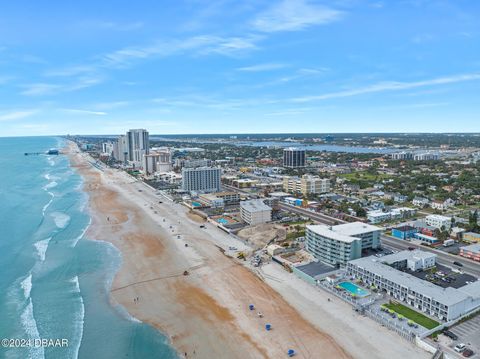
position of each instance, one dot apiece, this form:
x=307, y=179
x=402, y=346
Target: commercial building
x=293, y=157
x=339, y=244
x=255, y=211
x=138, y=144
x=404, y=232
x=306, y=185
x=390, y=274
x=472, y=251
x=201, y=179
x=438, y=221
x=471, y=237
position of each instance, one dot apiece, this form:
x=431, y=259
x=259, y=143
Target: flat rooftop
x=354, y=228
x=475, y=248
x=447, y=296
x=326, y=231
x=406, y=255
x=316, y=268
x=405, y=228
x=255, y=205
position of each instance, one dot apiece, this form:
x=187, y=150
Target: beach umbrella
x=268, y=326
x=251, y=307
x=291, y=352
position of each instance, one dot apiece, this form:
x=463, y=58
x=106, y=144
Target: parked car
x=458, y=264
x=460, y=347
x=468, y=353
x=451, y=335
x=411, y=248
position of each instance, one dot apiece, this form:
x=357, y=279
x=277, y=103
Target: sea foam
x=80, y=315
x=27, y=318
x=41, y=247
x=26, y=285
x=61, y=219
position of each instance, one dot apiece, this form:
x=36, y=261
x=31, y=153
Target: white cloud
x=262, y=67
x=45, y=89
x=203, y=44
x=294, y=15
x=40, y=89
x=86, y=112
x=17, y=115
x=391, y=86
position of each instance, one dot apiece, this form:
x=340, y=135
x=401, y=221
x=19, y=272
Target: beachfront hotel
x=138, y=144
x=336, y=245
x=390, y=274
x=201, y=179
x=255, y=212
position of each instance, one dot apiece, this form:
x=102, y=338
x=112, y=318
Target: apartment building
x=387, y=275
x=255, y=212
x=438, y=221
x=307, y=184
x=337, y=245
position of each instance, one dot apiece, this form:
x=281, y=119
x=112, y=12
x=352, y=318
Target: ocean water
x=54, y=282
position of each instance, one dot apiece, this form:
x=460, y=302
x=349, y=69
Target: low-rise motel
x=392, y=274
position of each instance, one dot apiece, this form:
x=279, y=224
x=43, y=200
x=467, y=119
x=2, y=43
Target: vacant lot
x=411, y=314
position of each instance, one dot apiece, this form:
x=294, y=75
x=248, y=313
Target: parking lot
x=445, y=277
x=468, y=333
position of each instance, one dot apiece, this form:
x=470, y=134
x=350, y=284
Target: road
x=443, y=258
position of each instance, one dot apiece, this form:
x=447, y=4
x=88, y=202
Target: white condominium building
x=255, y=212
x=337, y=245
x=201, y=179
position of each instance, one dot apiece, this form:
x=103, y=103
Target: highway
x=443, y=258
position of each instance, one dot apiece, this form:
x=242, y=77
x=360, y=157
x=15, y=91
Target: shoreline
x=204, y=314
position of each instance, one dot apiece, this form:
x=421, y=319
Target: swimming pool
x=222, y=221
x=354, y=289
x=196, y=204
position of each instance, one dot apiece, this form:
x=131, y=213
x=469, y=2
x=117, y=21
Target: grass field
x=411, y=314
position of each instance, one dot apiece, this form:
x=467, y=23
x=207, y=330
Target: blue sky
x=101, y=67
